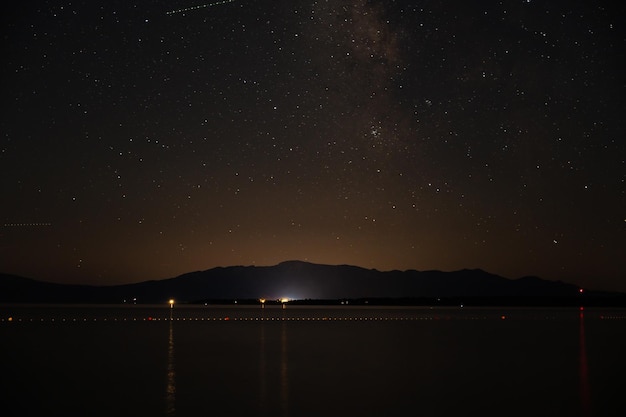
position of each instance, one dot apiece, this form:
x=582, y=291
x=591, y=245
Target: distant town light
x=171, y=303
x=284, y=300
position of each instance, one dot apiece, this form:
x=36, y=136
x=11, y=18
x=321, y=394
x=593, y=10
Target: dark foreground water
x=311, y=361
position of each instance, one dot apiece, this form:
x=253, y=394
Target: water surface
x=311, y=361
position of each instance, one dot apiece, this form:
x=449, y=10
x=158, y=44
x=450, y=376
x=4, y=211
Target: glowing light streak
x=202, y=6
x=27, y=224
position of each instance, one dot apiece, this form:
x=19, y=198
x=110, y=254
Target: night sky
x=145, y=139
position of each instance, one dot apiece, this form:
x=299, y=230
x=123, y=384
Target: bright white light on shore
x=171, y=303
x=284, y=300
x=262, y=300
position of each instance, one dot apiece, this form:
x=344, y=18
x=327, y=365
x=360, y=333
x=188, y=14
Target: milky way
x=384, y=134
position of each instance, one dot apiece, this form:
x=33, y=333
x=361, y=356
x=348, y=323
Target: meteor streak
x=26, y=224
x=202, y=6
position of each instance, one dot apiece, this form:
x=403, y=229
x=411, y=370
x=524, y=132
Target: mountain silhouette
x=294, y=280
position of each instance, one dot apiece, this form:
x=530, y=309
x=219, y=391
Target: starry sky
x=145, y=139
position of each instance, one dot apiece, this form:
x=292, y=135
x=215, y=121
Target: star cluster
x=156, y=139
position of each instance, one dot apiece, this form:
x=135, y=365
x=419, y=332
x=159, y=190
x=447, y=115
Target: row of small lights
x=283, y=301
x=84, y=320
x=10, y=319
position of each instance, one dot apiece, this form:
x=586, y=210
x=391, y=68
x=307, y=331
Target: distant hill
x=294, y=280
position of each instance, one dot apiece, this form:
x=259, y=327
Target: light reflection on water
x=284, y=371
x=170, y=392
x=281, y=362
x=585, y=388
x=262, y=369
x=266, y=396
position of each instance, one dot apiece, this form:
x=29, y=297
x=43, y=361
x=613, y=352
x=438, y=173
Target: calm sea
x=311, y=361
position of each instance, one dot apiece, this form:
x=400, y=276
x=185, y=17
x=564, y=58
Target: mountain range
x=294, y=280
